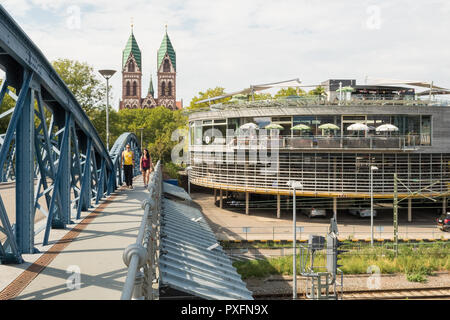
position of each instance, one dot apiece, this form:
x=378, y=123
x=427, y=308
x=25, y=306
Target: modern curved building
x=316, y=146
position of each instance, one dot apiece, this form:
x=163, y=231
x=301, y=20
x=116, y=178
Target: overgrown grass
x=415, y=262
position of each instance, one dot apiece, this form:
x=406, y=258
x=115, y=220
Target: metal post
x=371, y=207
x=107, y=74
x=278, y=206
x=221, y=199
x=247, y=200
x=372, y=169
x=294, y=241
x=335, y=208
x=107, y=114
x=409, y=210
x=444, y=205
x=395, y=215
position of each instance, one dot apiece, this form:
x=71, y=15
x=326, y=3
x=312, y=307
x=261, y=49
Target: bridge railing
x=142, y=257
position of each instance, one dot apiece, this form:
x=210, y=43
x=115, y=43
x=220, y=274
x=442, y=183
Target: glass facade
x=415, y=129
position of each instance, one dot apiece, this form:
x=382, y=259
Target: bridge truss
x=50, y=154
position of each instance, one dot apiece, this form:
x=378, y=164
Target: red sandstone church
x=132, y=77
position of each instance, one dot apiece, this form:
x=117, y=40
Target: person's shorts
x=145, y=169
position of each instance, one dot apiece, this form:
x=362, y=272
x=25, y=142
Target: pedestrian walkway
x=95, y=252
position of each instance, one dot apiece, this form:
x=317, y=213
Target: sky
x=237, y=43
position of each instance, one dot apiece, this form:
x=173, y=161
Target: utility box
x=316, y=242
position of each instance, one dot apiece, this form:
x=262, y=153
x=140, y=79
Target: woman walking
x=146, y=166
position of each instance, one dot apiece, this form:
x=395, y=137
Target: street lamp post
x=294, y=185
x=107, y=74
x=372, y=169
x=142, y=139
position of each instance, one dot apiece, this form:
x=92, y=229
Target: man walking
x=128, y=164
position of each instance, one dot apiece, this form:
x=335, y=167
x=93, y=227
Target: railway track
x=387, y=294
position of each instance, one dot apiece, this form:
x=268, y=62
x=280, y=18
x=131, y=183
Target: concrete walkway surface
x=94, y=256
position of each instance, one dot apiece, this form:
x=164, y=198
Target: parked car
x=313, y=212
x=362, y=212
x=444, y=222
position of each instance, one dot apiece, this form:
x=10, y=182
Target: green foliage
x=319, y=91
x=83, y=82
x=158, y=123
x=416, y=277
x=415, y=263
x=284, y=93
x=262, y=96
x=171, y=170
x=7, y=104
x=210, y=93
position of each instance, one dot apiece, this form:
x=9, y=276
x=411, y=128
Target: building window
x=170, y=89
x=166, y=67
x=163, y=89
x=425, y=131
x=134, y=89
x=128, y=89
x=131, y=67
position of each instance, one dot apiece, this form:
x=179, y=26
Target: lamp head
x=107, y=74
x=295, y=185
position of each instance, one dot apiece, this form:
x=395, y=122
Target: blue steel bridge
x=55, y=165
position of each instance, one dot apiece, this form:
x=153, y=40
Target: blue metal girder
x=56, y=218
x=23, y=51
x=85, y=183
x=25, y=209
x=49, y=140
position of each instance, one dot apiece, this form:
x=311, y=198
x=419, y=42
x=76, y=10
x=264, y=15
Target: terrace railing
x=409, y=142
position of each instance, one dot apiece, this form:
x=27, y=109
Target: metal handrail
x=142, y=257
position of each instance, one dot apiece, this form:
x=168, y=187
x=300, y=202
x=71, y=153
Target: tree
x=319, y=91
x=283, y=93
x=6, y=105
x=82, y=80
x=262, y=96
x=210, y=93
x=159, y=123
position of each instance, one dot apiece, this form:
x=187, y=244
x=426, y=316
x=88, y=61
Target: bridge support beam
x=278, y=206
x=247, y=203
x=64, y=168
x=25, y=209
x=335, y=207
x=444, y=205
x=409, y=210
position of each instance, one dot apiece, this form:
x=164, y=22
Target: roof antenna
x=132, y=24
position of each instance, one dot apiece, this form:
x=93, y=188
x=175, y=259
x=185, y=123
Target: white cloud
x=237, y=43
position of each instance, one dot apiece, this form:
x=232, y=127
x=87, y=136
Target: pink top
x=146, y=163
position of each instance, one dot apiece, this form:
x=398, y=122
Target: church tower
x=131, y=75
x=167, y=72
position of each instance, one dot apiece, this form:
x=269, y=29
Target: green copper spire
x=150, y=89
x=166, y=47
x=132, y=47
